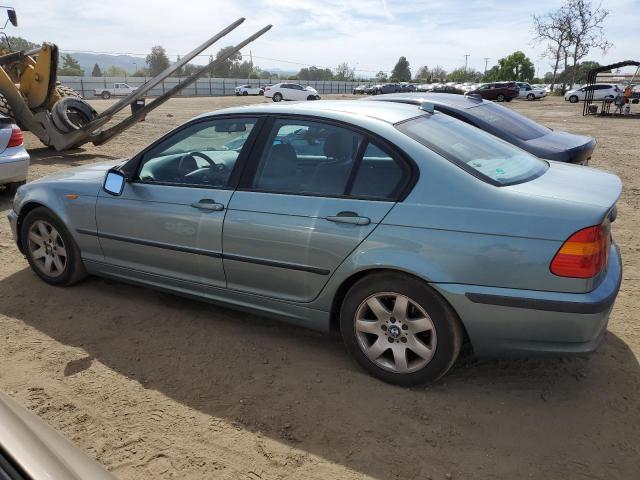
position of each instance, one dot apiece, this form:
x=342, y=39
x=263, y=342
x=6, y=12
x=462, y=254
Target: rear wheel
x=245, y=93
x=106, y=95
x=500, y=97
x=573, y=99
x=50, y=249
x=312, y=97
x=277, y=97
x=399, y=329
x=260, y=92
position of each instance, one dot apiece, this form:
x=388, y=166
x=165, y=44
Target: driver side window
x=203, y=154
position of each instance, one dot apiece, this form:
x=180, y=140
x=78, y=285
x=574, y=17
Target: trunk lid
x=574, y=184
x=564, y=147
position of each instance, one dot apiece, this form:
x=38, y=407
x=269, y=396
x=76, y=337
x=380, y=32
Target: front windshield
x=506, y=120
x=474, y=150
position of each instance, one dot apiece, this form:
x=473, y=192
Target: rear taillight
x=16, y=138
x=583, y=255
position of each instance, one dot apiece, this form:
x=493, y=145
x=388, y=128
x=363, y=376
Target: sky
x=368, y=34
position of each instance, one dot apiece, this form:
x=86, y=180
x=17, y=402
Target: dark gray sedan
x=506, y=124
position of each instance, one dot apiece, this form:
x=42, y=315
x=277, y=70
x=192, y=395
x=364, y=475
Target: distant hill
x=88, y=60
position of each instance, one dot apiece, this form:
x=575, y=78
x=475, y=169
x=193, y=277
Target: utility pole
x=486, y=62
x=466, y=58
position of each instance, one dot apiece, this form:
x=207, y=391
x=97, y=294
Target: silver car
x=14, y=159
x=30, y=449
x=404, y=228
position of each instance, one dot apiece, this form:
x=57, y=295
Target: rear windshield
x=474, y=150
x=506, y=120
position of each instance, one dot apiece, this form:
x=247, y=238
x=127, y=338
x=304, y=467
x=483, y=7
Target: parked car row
x=382, y=88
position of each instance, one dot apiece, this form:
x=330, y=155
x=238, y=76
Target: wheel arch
x=347, y=283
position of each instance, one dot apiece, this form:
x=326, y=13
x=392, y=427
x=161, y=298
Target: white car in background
x=14, y=159
x=291, y=91
x=249, y=90
x=530, y=92
x=600, y=92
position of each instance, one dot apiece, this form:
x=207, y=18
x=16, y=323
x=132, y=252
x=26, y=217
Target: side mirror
x=114, y=182
x=13, y=18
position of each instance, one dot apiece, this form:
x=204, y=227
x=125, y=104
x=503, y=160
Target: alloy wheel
x=395, y=332
x=47, y=249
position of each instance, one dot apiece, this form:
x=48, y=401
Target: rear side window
x=506, y=120
x=474, y=150
x=380, y=175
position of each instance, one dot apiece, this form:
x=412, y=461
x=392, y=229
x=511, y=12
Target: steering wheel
x=204, y=174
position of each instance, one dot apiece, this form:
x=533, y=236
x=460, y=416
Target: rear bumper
x=14, y=168
x=502, y=321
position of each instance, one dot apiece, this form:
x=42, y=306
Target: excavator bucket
x=41, y=122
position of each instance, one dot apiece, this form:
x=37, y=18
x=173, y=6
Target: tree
x=438, y=73
x=423, y=74
x=114, y=71
x=587, y=31
x=157, y=60
x=401, y=72
x=381, y=77
x=17, y=44
x=70, y=67
x=577, y=74
x=516, y=66
x=555, y=29
x=180, y=71
x=464, y=75
x=141, y=72
x=96, y=72
x=344, y=72
x=223, y=68
x=315, y=73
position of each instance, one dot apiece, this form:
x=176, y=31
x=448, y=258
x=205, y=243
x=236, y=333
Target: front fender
x=73, y=204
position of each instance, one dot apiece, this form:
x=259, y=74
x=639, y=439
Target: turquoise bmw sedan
x=407, y=230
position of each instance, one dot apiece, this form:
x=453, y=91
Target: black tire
x=71, y=113
x=106, y=95
x=245, y=93
x=447, y=326
x=501, y=97
x=5, y=108
x=573, y=99
x=237, y=94
x=277, y=97
x=531, y=97
x=64, y=91
x=12, y=187
x=74, y=270
x=260, y=93
x=508, y=99
x=312, y=97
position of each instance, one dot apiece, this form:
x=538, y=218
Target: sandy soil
x=156, y=386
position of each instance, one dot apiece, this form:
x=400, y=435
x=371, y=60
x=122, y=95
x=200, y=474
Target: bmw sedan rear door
x=311, y=193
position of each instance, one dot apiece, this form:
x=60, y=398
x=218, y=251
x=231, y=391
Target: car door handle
x=351, y=218
x=208, y=204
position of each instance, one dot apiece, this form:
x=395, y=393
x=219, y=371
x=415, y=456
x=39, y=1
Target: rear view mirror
x=231, y=127
x=13, y=18
x=114, y=182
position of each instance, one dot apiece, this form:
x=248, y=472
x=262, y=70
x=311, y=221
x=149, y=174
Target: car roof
x=461, y=102
x=386, y=111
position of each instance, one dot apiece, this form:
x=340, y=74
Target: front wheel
x=245, y=93
x=277, y=97
x=260, y=92
x=50, y=249
x=531, y=96
x=573, y=99
x=399, y=329
x=500, y=97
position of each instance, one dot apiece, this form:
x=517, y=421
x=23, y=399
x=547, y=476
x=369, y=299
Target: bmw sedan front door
x=168, y=220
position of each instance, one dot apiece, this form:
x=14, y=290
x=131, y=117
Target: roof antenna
x=427, y=107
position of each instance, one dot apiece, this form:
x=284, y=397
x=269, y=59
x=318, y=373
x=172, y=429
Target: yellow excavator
x=57, y=115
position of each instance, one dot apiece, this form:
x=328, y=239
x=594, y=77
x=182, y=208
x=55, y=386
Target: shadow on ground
x=553, y=418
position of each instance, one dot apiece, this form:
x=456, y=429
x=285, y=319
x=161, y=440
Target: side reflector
x=16, y=138
x=71, y=196
x=583, y=255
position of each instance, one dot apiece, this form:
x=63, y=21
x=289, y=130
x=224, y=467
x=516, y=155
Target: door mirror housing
x=13, y=18
x=114, y=182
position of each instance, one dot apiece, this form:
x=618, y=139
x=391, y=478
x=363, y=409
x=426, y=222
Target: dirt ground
x=156, y=386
